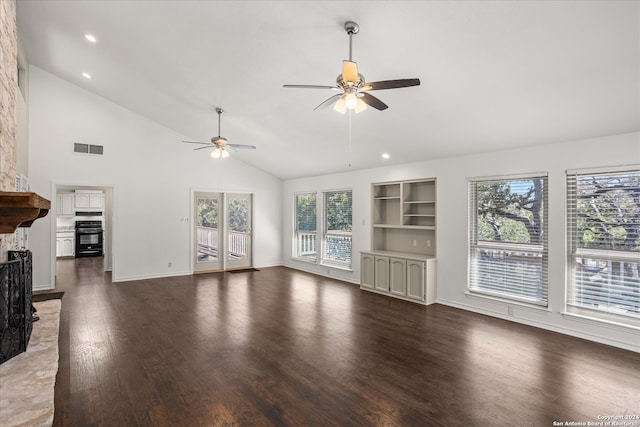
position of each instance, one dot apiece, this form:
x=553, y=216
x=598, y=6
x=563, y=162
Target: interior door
x=208, y=232
x=239, y=230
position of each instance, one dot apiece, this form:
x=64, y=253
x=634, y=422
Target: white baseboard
x=542, y=325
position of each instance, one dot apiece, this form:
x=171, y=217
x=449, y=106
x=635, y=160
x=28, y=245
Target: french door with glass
x=222, y=231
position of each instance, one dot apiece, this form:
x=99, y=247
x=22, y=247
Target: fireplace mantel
x=20, y=209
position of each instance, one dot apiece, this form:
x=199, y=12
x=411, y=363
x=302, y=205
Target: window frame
x=575, y=252
x=508, y=250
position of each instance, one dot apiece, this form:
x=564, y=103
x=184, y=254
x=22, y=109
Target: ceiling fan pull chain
x=349, y=138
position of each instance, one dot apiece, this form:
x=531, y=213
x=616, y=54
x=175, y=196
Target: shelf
x=387, y=198
x=20, y=209
x=425, y=215
x=419, y=201
x=399, y=226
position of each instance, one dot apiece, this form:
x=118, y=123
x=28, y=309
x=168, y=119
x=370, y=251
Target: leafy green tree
x=207, y=212
x=338, y=211
x=505, y=215
x=608, y=212
x=306, y=212
x=239, y=215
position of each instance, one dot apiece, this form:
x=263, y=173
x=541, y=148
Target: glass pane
x=608, y=211
x=238, y=212
x=306, y=226
x=338, y=226
x=510, y=273
x=607, y=286
x=207, y=229
x=510, y=211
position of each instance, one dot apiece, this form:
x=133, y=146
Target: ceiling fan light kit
x=353, y=86
x=219, y=143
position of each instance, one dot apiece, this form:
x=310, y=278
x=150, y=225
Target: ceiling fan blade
x=329, y=101
x=349, y=71
x=196, y=142
x=391, y=84
x=241, y=146
x=373, y=101
x=311, y=87
x=202, y=148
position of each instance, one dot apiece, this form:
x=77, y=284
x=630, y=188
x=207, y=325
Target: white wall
x=452, y=223
x=152, y=175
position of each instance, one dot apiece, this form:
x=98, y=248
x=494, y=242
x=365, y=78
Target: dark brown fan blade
x=329, y=101
x=196, y=142
x=246, y=147
x=391, y=84
x=373, y=101
x=310, y=87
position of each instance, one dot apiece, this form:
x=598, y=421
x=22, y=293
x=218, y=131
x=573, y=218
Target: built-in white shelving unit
x=402, y=260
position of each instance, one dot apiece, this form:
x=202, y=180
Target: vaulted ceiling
x=494, y=75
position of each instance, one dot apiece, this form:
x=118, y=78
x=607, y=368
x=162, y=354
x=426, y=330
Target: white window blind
x=306, y=226
x=508, y=253
x=337, y=228
x=603, y=235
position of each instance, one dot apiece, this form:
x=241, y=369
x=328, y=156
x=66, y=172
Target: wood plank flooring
x=279, y=347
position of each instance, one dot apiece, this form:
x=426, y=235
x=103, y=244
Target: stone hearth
x=27, y=381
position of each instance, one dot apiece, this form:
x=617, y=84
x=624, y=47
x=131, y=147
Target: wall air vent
x=79, y=147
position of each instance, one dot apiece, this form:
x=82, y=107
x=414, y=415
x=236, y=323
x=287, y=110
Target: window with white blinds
x=508, y=253
x=337, y=228
x=306, y=234
x=603, y=236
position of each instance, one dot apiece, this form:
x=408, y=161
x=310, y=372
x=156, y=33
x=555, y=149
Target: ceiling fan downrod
x=351, y=28
x=219, y=111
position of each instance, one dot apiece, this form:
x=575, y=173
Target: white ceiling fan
x=219, y=143
x=352, y=84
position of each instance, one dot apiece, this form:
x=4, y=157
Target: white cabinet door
x=96, y=201
x=398, y=276
x=416, y=280
x=82, y=201
x=67, y=204
x=381, y=273
x=367, y=270
x=65, y=244
x=68, y=246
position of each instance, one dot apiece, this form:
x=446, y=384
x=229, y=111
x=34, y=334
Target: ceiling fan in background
x=219, y=143
x=352, y=84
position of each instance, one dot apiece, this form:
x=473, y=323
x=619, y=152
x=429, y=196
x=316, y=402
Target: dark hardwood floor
x=286, y=348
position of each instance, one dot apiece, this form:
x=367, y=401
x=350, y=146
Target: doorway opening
x=84, y=205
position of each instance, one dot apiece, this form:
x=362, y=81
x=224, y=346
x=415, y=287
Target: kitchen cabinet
x=65, y=203
x=407, y=276
x=89, y=201
x=65, y=244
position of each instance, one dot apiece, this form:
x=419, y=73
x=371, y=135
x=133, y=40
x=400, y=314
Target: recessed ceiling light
x=385, y=155
x=86, y=75
x=90, y=37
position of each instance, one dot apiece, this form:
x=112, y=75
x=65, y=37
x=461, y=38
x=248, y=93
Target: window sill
x=337, y=267
x=302, y=259
x=595, y=320
x=508, y=301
